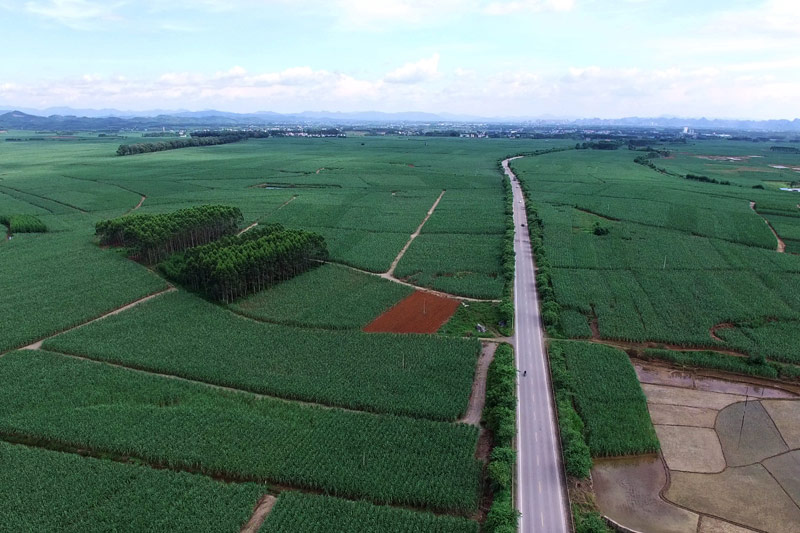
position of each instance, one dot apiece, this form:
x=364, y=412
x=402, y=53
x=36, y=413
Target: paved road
x=540, y=479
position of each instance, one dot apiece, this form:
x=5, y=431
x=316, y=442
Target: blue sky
x=603, y=58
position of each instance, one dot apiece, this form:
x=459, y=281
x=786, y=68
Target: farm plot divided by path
x=277, y=404
x=673, y=258
x=722, y=442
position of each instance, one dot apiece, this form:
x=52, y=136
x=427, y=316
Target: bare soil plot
x=746, y=495
x=627, y=491
x=709, y=524
x=421, y=312
x=656, y=375
x=747, y=434
x=786, y=471
x=732, y=387
x=678, y=415
x=688, y=397
x=786, y=416
x=691, y=449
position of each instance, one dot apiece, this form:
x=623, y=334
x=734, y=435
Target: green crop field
x=304, y=513
x=296, y=341
x=55, y=280
x=635, y=253
x=609, y=399
x=181, y=334
x=38, y=490
x=64, y=402
x=676, y=257
x=326, y=297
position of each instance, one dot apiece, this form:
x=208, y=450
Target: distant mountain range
x=65, y=118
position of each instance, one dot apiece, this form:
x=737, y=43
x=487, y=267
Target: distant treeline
x=160, y=134
x=174, y=144
x=706, y=179
x=236, y=266
x=785, y=149
x=151, y=238
x=599, y=145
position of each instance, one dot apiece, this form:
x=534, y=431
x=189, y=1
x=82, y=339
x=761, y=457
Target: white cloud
x=590, y=90
x=380, y=15
x=422, y=70
x=79, y=14
x=521, y=6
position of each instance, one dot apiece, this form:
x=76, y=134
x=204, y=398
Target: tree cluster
x=235, y=266
x=152, y=237
x=706, y=179
x=785, y=149
x=174, y=144
x=599, y=145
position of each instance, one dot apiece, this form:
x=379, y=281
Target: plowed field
x=422, y=312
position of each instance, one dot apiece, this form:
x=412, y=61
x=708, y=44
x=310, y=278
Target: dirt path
x=411, y=285
x=254, y=224
x=390, y=272
x=478, y=397
x=137, y=205
x=263, y=507
x=781, y=248
x=248, y=228
x=38, y=344
x=714, y=329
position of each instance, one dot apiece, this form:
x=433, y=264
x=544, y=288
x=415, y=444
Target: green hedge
x=500, y=416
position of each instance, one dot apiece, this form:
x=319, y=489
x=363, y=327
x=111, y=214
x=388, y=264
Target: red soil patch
x=422, y=312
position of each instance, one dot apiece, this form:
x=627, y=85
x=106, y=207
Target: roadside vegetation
x=500, y=417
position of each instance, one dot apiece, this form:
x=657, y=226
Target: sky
x=493, y=58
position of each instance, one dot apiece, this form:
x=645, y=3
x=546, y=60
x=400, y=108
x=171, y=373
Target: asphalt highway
x=540, y=495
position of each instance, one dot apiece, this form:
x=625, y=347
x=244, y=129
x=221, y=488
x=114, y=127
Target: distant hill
x=112, y=119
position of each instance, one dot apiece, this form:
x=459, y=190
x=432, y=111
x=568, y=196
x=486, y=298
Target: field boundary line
x=37, y=345
x=390, y=272
x=235, y=390
x=27, y=202
x=48, y=199
x=254, y=224
x=274, y=488
x=407, y=284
